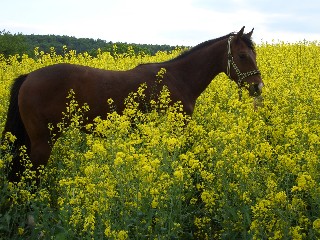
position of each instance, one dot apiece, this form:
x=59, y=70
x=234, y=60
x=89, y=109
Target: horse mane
x=248, y=41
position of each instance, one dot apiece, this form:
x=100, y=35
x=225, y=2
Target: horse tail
x=15, y=126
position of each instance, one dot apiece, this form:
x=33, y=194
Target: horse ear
x=249, y=34
x=240, y=33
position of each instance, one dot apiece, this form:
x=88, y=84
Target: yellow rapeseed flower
x=316, y=225
x=20, y=231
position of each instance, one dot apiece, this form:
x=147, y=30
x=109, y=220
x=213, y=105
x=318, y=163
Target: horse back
x=44, y=92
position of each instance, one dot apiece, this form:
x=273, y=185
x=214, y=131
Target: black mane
x=248, y=41
x=244, y=37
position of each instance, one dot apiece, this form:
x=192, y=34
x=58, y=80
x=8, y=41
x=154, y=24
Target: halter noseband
x=231, y=61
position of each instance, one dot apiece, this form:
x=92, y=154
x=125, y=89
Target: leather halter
x=231, y=61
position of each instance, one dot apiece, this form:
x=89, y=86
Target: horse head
x=241, y=63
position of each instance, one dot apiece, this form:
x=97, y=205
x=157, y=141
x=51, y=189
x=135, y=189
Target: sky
x=172, y=22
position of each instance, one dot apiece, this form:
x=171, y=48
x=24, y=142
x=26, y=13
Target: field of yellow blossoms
x=229, y=172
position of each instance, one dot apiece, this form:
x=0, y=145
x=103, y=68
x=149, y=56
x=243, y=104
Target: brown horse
x=39, y=98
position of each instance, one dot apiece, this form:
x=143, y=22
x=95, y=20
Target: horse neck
x=197, y=69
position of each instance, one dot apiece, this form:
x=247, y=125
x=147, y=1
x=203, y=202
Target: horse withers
x=39, y=98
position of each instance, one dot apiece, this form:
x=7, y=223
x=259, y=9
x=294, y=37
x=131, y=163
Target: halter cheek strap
x=231, y=61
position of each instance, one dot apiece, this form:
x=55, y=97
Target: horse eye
x=242, y=55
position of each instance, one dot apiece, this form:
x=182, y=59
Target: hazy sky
x=174, y=22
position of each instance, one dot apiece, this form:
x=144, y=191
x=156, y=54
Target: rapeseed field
x=228, y=172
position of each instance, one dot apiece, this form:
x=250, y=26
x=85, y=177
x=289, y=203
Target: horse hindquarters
x=36, y=125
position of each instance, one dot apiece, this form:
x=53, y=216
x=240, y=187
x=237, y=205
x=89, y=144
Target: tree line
x=11, y=44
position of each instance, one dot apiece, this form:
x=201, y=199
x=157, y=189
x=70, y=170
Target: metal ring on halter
x=231, y=61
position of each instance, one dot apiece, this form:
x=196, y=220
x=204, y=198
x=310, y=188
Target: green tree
x=11, y=44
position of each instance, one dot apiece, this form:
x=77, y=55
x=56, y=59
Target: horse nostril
x=255, y=89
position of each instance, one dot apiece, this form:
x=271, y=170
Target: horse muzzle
x=255, y=89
